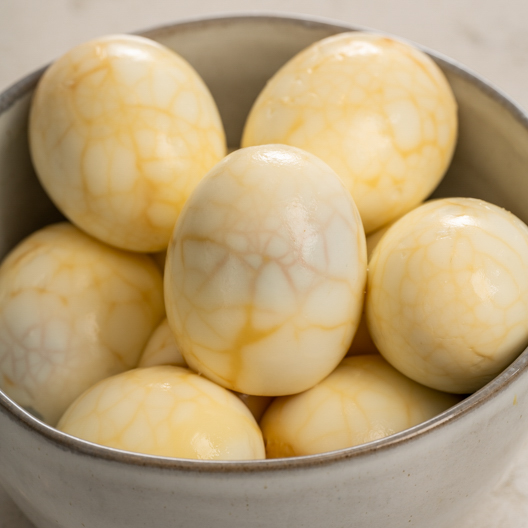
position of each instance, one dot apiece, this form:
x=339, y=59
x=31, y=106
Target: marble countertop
x=488, y=36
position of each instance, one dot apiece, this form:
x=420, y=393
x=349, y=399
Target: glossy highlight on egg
x=121, y=130
x=447, y=296
x=377, y=110
x=266, y=271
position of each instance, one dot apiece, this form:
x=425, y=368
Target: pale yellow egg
x=121, y=130
x=165, y=411
x=378, y=111
x=72, y=311
x=447, y=299
x=161, y=349
x=265, y=272
x=364, y=399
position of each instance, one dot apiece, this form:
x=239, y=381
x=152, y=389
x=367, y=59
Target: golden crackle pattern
x=121, y=131
x=266, y=272
x=377, y=110
x=162, y=349
x=72, y=311
x=447, y=297
x=363, y=400
x=165, y=411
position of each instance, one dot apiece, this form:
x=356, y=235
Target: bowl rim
x=66, y=442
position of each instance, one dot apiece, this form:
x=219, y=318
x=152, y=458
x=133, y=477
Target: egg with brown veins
x=364, y=399
x=378, y=111
x=447, y=300
x=121, y=130
x=265, y=273
x=165, y=411
x=72, y=311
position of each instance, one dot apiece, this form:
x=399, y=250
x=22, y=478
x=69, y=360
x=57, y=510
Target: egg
x=364, y=399
x=266, y=271
x=165, y=411
x=121, y=129
x=377, y=110
x=72, y=311
x=447, y=298
x=161, y=348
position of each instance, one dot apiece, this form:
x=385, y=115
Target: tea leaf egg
x=265, y=272
x=72, y=311
x=165, y=411
x=377, y=110
x=447, y=300
x=364, y=399
x=121, y=130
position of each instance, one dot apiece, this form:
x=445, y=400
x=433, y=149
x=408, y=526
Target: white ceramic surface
x=429, y=476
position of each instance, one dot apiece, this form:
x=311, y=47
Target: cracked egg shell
x=266, y=271
x=364, y=399
x=377, y=110
x=121, y=130
x=72, y=311
x=447, y=297
x=165, y=411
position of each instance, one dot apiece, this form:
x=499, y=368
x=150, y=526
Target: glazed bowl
x=431, y=475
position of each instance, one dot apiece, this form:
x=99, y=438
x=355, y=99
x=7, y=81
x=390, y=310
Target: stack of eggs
x=255, y=337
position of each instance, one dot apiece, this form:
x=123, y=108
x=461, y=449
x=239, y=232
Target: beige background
x=488, y=36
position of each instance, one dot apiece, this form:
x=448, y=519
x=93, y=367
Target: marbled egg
x=447, y=300
x=165, y=411
x=266, y=271
x=364, y=399
x=378, y=111
x=121, y=130
x=72, y=311
x=161, y=349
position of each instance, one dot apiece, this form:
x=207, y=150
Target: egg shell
x=377, y=110
x=447, y=299
x=121, y=130
x=165, y=411
x=72, y=311
x=364, y=399
x=265, y=273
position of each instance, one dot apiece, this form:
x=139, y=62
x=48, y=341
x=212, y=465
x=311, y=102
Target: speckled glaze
x=431, y=475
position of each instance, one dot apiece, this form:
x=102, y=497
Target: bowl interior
x=236, y=56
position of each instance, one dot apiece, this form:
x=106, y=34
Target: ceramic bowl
x=429, y=476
